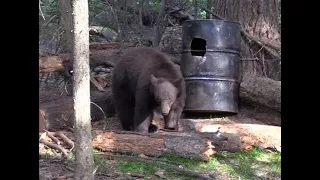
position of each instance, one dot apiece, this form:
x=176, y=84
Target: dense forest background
x=145, y=22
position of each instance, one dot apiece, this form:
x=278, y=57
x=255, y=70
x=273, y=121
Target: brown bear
x=144, y=80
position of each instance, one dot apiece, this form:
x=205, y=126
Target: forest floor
x=253, y=164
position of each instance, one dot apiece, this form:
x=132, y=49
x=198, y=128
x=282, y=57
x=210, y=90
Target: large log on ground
x=262, y=91
x=99, y=53
x=235, y=136
x=188, y=145
x=50, y=64
x=55, y=63
x=56, y=109
x=198, y=143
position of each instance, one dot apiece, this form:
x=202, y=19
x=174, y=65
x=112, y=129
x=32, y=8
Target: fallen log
x=234, y=136
x=104, y=46
x=55, y=63
x=186, y=145
x=199, y=142
x=56, y=109
x=50, y=64
x=99, y=54
x=262, y=91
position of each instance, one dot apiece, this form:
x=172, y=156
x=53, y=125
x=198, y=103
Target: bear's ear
x=177, y=82
x=153, y=79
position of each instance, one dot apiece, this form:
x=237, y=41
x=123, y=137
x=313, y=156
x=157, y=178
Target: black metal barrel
x=210, y=64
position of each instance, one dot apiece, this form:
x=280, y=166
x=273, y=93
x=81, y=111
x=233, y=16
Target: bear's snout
x=165, y=113
x=165, y=109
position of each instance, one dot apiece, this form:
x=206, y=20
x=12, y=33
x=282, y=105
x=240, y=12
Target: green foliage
x=137, y=167
x=49, y=8
x=190, y=163
x=96, y=7
x=248, y=164
x=99, y=162
x=155, y=5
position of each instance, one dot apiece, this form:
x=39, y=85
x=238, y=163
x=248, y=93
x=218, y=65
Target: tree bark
x=140, y=12
x=209, y=5
x=195, y=6
x=66, y=26
x=81, y=91
x=259, y=19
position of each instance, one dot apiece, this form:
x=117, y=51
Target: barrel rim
x=229, y=21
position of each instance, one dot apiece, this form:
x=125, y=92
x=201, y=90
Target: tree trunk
x=209, y=5
x=66, y=25
x=140, y=12
x=259, y=19
x=81, y=91
x=160, y=25
x=195, y=6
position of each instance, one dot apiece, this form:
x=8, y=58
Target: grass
x=253, y=164
x=137, y=167
x=244, y=165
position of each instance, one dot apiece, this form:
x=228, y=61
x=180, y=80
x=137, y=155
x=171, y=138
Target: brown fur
x=138, y=76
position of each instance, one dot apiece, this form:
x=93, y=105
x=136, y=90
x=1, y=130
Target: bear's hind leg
x=124, y=105
x=143, y=113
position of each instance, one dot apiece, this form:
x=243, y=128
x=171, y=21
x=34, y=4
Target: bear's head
x=165, y=92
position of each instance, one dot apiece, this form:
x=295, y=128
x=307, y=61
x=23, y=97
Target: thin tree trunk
x=66, y=26
x=125, y=24
x=259, y=19
x=195, y=9
x=81, y=91
x=140, y=12
x=209, y=5
x=160, y=24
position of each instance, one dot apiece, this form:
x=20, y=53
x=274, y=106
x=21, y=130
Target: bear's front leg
x=143, y=113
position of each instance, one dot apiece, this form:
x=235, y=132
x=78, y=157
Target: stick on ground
x=55, y=146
